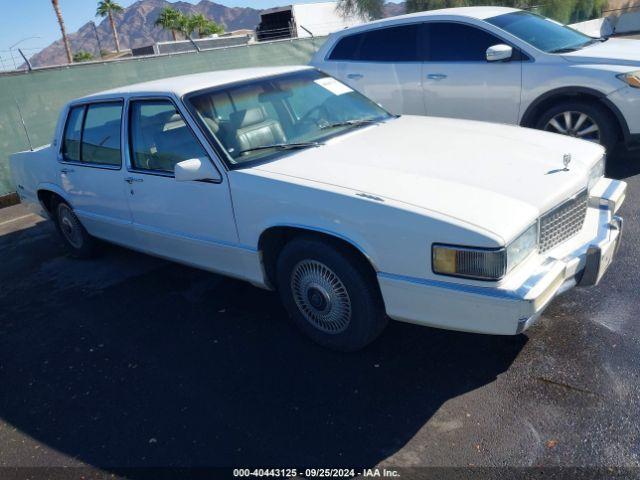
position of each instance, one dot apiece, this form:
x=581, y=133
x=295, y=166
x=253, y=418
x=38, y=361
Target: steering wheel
x=319, y=110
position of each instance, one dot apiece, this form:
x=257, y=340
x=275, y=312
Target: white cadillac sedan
x=290, y=180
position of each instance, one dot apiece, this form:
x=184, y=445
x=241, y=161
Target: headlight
x=483, y=263
x=596, y=173
x=632, y=78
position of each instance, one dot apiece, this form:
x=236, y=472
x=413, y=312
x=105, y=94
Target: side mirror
x=499, y=53
x=196, y=169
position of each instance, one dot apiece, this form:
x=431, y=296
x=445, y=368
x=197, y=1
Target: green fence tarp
x=42, y=93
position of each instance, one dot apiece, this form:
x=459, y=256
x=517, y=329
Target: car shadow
x=171, y=366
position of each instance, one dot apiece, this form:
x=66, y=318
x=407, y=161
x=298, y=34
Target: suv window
x=455, y=42
x=101, y=134
x=72, y=134
x=347, y=48
x=159, y=137
x=392, y=44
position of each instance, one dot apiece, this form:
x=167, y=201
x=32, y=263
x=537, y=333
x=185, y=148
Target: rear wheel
x=76, y=239
x=330, y=295
x=584, y=120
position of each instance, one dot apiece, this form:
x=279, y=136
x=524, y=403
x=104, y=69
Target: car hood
x=618, y=51
x=496, y=177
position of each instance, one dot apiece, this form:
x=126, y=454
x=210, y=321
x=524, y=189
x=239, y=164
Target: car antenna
x=24, y=125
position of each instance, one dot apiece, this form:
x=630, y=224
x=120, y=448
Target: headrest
x=245, y=118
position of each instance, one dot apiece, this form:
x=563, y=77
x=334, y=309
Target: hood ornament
x=566, y=160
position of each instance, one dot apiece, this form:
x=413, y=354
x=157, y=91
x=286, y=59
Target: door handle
x=130, y=180
x=66, y=170
x=436, y=76
x=355, y=76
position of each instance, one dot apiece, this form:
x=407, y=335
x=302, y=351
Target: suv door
x=384, y=64
x=459, y=82
x=191, y=222
x=90, y=169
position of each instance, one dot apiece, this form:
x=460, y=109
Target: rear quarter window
x=72, y=134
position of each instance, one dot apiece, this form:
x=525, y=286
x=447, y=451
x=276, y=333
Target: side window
x=101, y=134
x=455, y=42
x=393, y=44
x=347, y=48
x=159, y=138
x=72, y=134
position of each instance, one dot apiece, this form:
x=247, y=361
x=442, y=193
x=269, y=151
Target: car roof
x=183, y=84
x=479, y=13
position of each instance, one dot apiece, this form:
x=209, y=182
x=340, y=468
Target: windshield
x=543, y=33
x=265, y=118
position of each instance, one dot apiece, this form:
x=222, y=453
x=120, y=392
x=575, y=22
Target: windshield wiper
x=565, y=50
x=350, y=123
x=282, y=146
x=579, y=47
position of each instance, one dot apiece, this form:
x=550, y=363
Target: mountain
x=136, y=27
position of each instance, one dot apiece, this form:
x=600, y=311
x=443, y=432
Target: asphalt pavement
x=131, y=361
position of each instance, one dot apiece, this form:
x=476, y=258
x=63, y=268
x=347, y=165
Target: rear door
x=90, y=169
x=384, y=64
x=459, y=82
x=191, y=222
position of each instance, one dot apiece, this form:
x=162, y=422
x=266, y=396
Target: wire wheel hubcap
x=321, y=296
x=575, y=124
x=70, y=227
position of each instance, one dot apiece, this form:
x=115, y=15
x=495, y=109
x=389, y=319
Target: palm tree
x=169, y=19
x=67, y=47
x=201, y=24
x=108, y=8
x=210, y=28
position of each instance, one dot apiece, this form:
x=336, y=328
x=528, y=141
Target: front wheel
x=583, y=120
x=330, y=294
x=76, y=239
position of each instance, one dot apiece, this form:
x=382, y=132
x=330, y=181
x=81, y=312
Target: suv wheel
x=584, y=120
x=77, y=241
x=330, y=295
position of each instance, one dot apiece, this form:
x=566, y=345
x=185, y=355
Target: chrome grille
x=563, y=222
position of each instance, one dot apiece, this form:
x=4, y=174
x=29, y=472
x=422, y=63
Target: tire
x=589, y=114
x=330, y=294
x=77, y=241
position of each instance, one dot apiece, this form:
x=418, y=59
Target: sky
x=26, y=18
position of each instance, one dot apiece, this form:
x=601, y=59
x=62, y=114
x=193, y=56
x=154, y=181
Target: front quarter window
x=261, y=119
x=542, y=33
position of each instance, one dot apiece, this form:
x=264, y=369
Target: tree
x=65, y=40
x=366, y=9
x=82, y=56
x=170, y=19
x=202, y=25
x=106, y=8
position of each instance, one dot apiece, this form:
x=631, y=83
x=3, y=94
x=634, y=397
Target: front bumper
x=516, y=304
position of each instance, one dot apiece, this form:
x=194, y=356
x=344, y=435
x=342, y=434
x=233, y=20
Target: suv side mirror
x=196, y=169
x=499, y=53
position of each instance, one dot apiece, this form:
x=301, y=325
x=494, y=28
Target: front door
x=459, y=82
x=191, y=222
